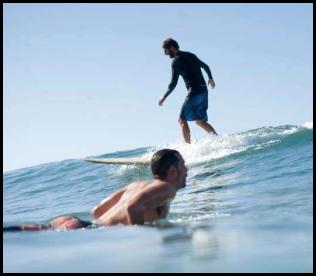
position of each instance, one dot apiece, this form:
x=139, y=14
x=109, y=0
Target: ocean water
x=247, y=207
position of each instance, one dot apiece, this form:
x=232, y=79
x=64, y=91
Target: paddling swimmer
x=139, y=203
x=145, y=201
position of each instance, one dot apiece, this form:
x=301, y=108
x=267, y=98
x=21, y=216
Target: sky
x=85, y=79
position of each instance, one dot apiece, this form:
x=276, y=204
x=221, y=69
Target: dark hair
x=169, y=42
x=162, y=160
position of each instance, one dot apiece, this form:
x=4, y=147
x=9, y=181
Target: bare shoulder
x=160, y=186
x=139, y=183
x=151, y=185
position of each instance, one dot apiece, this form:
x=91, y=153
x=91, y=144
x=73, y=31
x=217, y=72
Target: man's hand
x=162, y=99
x=212, y=83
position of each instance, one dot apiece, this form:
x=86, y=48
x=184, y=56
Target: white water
x=214, y=147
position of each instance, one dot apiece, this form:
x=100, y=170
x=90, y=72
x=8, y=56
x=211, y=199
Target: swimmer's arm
x=107, y=203
x=146, y=200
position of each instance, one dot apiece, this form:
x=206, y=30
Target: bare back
x=153, y=208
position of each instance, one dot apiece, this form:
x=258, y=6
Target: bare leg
x=26, y=227
x=66, y=223
x=185, y=131
x=206, y=126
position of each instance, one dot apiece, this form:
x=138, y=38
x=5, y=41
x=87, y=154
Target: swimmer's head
x=168, y=163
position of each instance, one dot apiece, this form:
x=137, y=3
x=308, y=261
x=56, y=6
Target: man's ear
x=172, y=171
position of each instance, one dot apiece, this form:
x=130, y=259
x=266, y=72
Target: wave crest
x=308, y=125
x=214, y=147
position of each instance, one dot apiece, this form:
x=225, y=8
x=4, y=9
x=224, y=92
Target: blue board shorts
x=195, y=108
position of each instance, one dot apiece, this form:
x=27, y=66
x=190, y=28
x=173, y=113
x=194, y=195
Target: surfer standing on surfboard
x=195, y=106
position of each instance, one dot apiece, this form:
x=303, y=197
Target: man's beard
x=171, y=55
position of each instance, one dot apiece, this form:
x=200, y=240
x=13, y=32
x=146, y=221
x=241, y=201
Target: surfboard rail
x=119, y=161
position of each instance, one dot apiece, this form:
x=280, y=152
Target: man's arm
x=148, y=199
x=172, y=85
x=205, y=67
x=207, y=70
x=107, y=203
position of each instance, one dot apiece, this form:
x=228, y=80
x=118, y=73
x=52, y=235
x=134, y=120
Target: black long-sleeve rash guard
x=189, y=67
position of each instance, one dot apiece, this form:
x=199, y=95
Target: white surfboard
x=120, y=161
